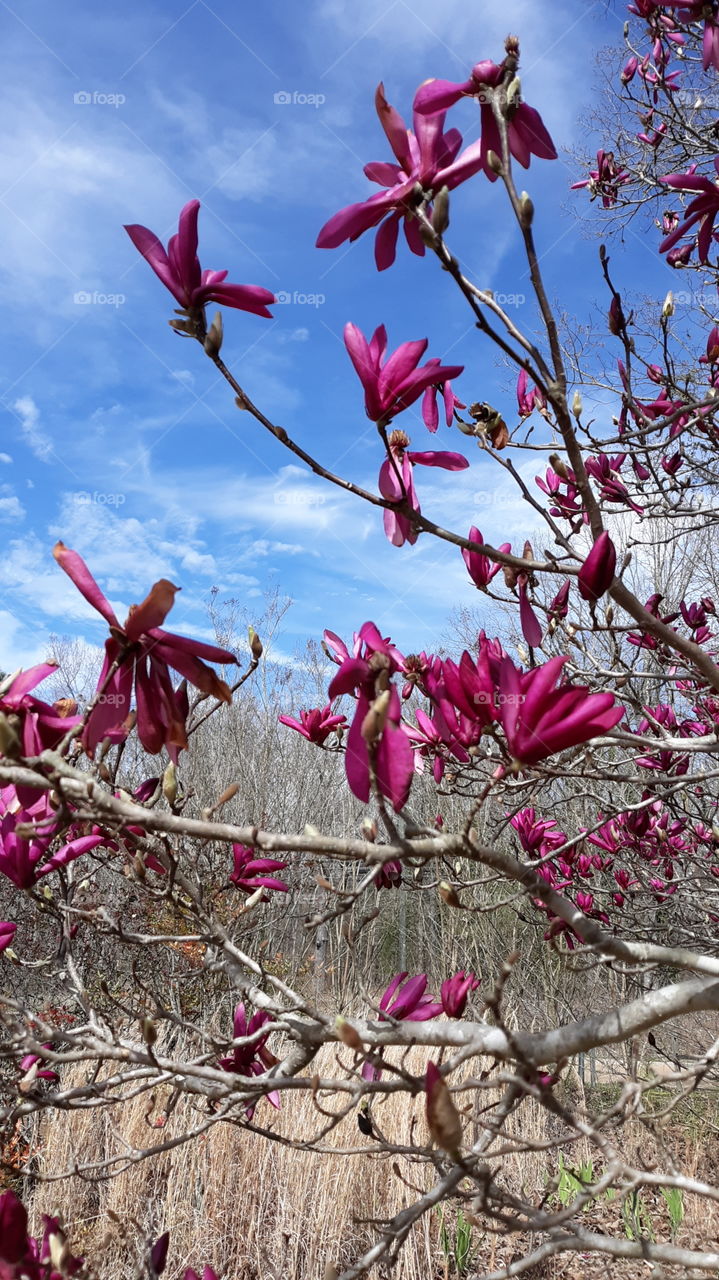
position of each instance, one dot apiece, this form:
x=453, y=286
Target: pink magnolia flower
x=396, y=483
x=697, y=11
x=408, y=1001
x=597, y=573
x=389, y=875
x=250, y=873
x=427, y=158
x=252, y=1059
x=481, y=569
x=605, y=180
x=528, y=401
x=180, y=271
x=702, y=210
x=393, y=383
x=455, y=992
x=526, y=133
x=141, y=653
x=29, y=1061
x=7, y=933
x=559, y=606
x=43, y=726
x=26, y=859
x=539, y=719
x=369, y=672
x=315, y=725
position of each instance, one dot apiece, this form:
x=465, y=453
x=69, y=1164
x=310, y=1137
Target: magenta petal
x=7, y=933
x=531, y=629
x=76, y=569
x=154, y=253
x=356, y=757
x=395, y=766
x=385, y=245
x=438, y=95
x=448, y=461
x=430, y=412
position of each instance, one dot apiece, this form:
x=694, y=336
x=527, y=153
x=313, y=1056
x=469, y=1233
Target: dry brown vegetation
x=258, y=1210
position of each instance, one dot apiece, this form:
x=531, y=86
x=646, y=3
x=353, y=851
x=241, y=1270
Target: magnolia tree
x=580, y=759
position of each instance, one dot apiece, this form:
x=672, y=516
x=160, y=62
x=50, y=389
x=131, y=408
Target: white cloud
x=5, y=457
x=29, y=415
x=10, y=506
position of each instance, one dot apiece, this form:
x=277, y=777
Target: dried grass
x=259, y=1210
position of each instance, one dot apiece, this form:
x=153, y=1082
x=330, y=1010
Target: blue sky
x=117, y=435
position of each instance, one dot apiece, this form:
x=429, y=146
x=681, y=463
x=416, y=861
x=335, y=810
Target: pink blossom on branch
x=396, y=483
x=315, y=725
x=539, y=719
x=480, y=568
x=526, y=132
x=427, y=160
x=597, y=573
x=140, y=653
x=250, y=873
x=455, y=991
x=702, y=210
x=179, y=269
x=392, y=383
x=368, y=672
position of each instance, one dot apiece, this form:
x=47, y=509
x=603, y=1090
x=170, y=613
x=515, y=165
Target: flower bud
x=440, y=211
x=494, y=162
x=368, y=829
x=348, y=1034
x=9, y=740
x=526, y=211
x=169, y=785
x=443, y=1119
x=577, y=404
x=213, y=338
x=448, y=894
x=376, y=718
x=668, y=308
x=149, y=1031
x=255, y=644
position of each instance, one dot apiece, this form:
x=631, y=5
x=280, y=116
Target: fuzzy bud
x=449, y=895
x=443, y=1119
x=213, y=338
x=494, y=162
x=376, y=718
x=255, y=644
x=348, y=1034
x=440, y=211
x=368, y=830
x=668, y=307
x=526, y=211
x=149, y=1031
x=577, y=405
x=169, y=785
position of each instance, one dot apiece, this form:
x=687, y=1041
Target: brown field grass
x=259, y=1210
